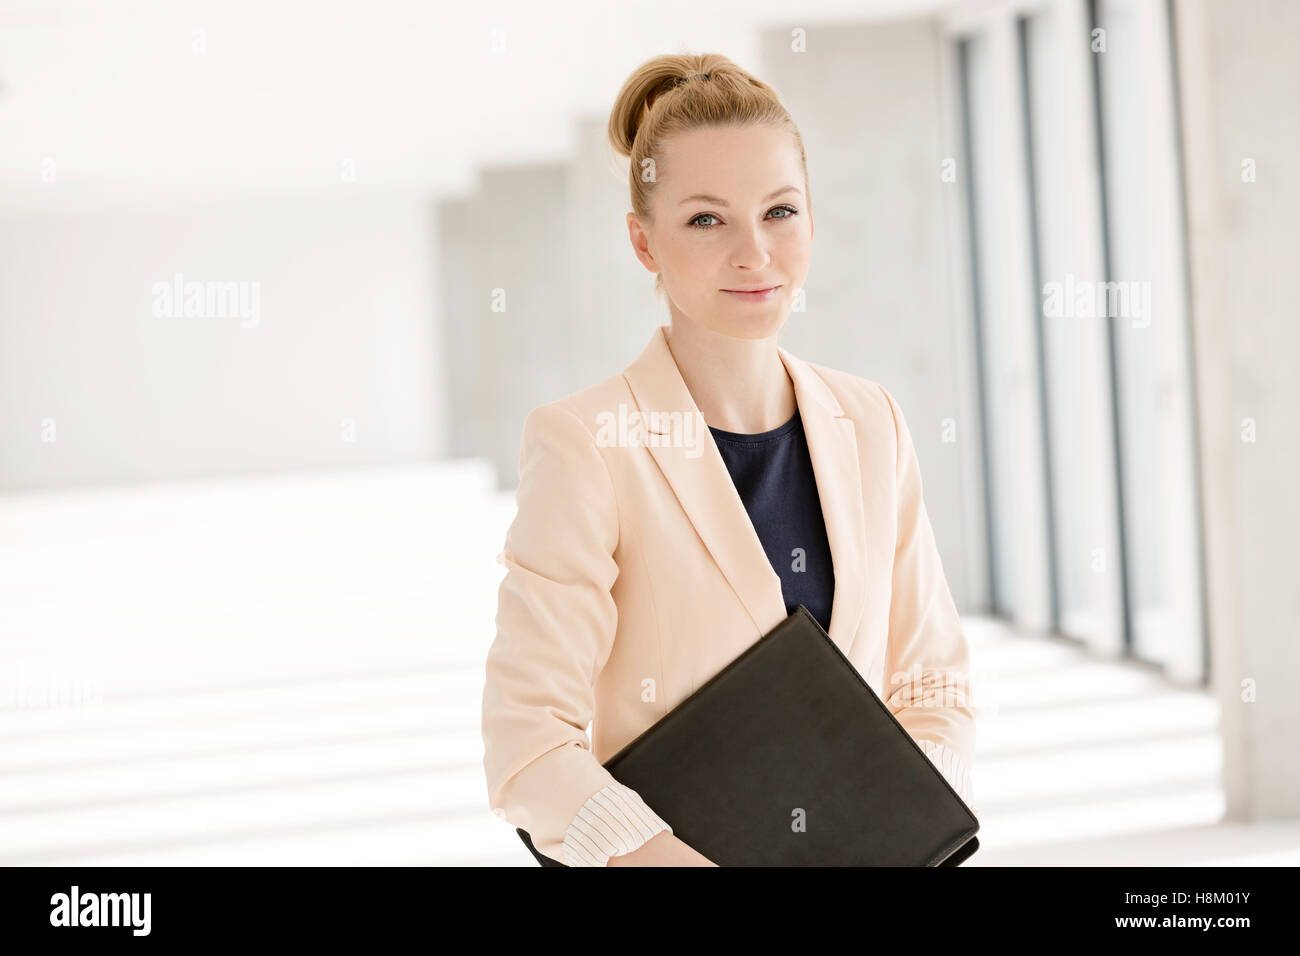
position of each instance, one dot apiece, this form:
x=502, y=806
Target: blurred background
x=260, y=419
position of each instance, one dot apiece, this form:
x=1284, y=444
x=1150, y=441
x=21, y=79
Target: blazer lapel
x=833, y=448
x=693, y=466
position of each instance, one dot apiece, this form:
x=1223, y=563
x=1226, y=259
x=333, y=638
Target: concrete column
x=507, y=311
x=1239, y=86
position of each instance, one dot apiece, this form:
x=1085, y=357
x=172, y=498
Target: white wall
x=346, y=331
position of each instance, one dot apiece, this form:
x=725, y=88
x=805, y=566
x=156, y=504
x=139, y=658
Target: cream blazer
x=634, y=574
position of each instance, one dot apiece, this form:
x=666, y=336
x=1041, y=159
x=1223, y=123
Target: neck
x=739, y=385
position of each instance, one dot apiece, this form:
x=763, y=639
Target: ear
x=641, y=242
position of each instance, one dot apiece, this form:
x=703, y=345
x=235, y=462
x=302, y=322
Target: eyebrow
x=722, y=202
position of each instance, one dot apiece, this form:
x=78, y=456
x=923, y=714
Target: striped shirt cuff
x=955, y=770
x=613, y=821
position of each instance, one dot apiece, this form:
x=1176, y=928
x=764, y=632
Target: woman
x=647, y=553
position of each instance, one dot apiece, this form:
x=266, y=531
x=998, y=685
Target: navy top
x=773, y=472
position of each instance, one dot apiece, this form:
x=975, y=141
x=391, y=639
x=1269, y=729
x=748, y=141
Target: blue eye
x=696, y=224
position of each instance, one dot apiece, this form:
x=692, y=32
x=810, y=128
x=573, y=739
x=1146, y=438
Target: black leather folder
x=787, y=757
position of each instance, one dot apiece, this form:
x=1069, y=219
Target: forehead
x=733, y=163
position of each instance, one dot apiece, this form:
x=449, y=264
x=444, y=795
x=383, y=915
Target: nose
x=750, y=250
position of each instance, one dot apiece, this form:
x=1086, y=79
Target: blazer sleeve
x=927, y=660
x=555, y=626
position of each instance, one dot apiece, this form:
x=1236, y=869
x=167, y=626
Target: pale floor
x=288, y=671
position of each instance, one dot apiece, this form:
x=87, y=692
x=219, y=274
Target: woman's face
x=729, y=215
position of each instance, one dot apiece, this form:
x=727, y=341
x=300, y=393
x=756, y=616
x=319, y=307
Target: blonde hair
x=673, y=93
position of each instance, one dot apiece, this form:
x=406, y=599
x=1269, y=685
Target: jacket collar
x=708, y=495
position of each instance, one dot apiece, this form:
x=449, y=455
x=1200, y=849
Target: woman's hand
x=662, y=849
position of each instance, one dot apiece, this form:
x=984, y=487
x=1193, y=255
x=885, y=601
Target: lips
x=753, y=295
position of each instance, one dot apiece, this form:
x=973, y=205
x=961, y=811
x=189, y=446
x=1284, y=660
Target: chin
x=753, y=326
